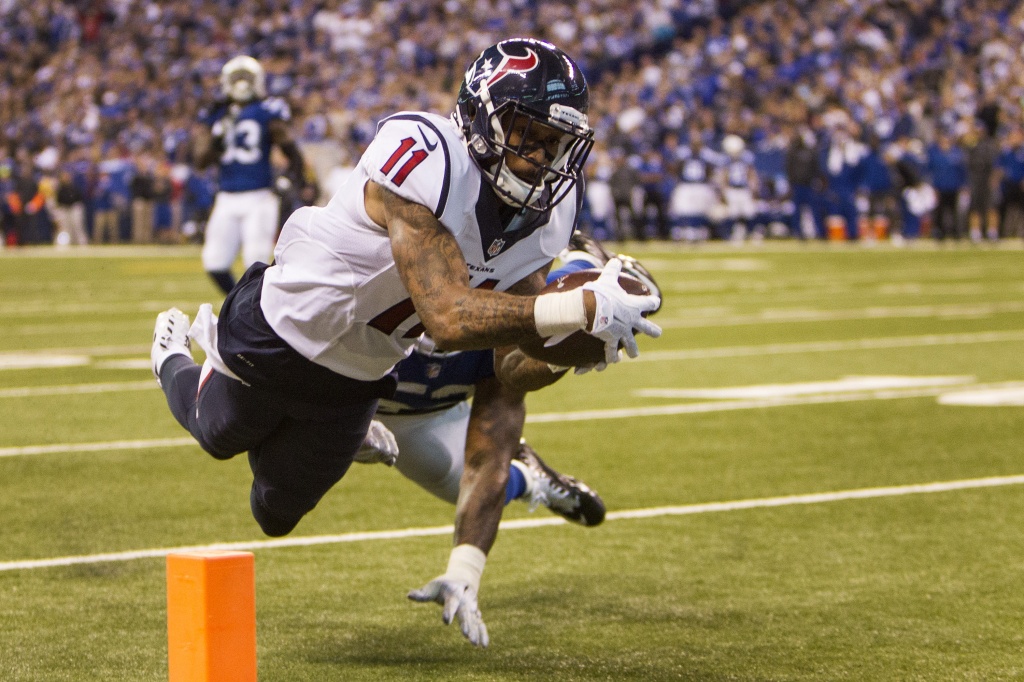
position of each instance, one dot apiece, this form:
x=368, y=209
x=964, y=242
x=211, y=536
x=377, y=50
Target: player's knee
x=217, y=454
x=213, y=443
x=271, y=524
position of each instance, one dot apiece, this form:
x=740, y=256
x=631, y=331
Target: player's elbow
x=447, y=330
x=446, y=335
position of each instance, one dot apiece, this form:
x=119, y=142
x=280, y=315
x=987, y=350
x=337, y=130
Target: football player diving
x=238, y=132
x=446, y=226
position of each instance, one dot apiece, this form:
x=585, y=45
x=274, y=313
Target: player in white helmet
x=238, y=133
x=737, y=181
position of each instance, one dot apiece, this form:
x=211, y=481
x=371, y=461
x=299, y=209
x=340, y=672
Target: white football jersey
x=334, y=292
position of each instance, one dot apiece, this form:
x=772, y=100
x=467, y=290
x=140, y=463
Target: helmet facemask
x=514, y=131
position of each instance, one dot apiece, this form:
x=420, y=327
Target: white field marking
x=844, y=385
x=683, y=320
x=104, y=251
x=77, y=389
x=711, y=265
x=98, y=447
x=40, y=361
x=84, y=350
x=997, y=397
x=729, y=405
x=519, y=524
x=556, y=417
x=64, y=328
x=134, y=363
x=647, y=355
x=831, y=346
x=971, y=310
x=692, y=354
x=47, y=308
x=550, y=417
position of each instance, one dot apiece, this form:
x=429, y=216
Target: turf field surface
x=813, y=475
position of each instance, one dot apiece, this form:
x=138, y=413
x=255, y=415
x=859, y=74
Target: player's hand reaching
x=456, y=591
x=619, y=314
x=459, y=601
x=379, y=446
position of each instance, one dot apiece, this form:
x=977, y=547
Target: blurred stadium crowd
x=859, y=119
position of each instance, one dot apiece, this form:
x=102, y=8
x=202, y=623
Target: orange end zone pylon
x=211, y=617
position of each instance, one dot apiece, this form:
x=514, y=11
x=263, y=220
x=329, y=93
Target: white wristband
x=466, y=564
x=560, y=313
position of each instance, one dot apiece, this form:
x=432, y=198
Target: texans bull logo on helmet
x=510, y=64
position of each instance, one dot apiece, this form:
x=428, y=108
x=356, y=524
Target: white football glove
x=458, y=598
x=619, y=313
x=379, y=446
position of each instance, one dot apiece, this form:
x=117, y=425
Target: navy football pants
x=297, y=452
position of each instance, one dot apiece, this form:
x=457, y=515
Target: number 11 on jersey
x=414, y=160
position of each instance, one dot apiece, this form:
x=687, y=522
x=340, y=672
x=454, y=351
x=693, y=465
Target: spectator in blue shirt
x=947, y=167
x=843, y=161
x=652, y=171
x=883, y=213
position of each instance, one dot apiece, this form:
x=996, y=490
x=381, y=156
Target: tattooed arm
x=491, y=440
x=434, y=272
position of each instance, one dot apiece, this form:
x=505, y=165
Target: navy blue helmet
x=517, y=92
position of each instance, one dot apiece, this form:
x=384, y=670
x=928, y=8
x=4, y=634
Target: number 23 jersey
x=245, y=163
x=334, y=293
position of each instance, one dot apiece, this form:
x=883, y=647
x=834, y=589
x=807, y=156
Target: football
x=580, y=348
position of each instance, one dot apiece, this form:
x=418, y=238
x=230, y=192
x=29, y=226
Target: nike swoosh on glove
x=619, y=313
x=379, y=446
x=459, y=601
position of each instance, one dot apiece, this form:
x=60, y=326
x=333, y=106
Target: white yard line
x=651, y=512
x=839, y=386
x=46, y=308
x=77, y=389
x=56, y=329
x=831, y=346
x=728, y=405
x=35, y=361
x=647, y=355
x=98, y=447
x=560, y=417
x=85, y=350
x=971, y=310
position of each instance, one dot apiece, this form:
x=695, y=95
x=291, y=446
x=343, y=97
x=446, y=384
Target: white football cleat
x=170, y=337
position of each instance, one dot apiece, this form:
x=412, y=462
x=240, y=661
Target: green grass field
x=854, y=371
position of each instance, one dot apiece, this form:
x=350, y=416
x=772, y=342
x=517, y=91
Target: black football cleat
x=562, y=494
